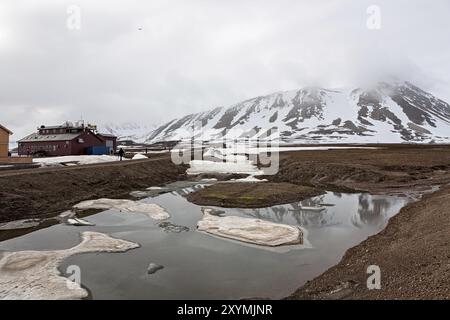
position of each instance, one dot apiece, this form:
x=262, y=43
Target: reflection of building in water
x=372, y=210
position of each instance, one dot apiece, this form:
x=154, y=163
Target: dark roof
x=6, y=129
x=35, y=137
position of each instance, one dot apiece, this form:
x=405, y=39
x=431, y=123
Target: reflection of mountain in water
x=358, y=210
x=294, y=214
x=372, y=210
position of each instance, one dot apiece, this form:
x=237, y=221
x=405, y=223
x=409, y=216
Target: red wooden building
x=67, y=139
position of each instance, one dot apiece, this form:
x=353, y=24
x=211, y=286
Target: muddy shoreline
x=44, y=193
x=251, y=195
x=413, y=250
x=412, y=253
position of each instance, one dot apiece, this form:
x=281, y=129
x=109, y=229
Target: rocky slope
x=391, y=112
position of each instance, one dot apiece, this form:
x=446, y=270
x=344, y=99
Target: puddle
x=201, y=266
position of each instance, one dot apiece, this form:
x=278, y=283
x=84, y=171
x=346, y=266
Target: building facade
x=4, y=141
x=67, y=139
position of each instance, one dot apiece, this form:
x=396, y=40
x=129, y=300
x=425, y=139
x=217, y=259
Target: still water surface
x=199, y=266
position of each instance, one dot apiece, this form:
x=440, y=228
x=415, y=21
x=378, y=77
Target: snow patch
x=79, y=222
x=250, y=179
x=139, y=156
x=75, y=160
x=152, y=210
x=19, y=224
x=239, y=164
x=249, y=230
x=154, y=188
x=38, y=271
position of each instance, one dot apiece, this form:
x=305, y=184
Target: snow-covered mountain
x=136, y=132
x=388, y=112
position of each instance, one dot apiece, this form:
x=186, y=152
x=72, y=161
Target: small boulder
x=153, y=267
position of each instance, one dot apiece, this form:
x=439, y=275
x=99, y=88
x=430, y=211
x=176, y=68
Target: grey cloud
x=197, y=54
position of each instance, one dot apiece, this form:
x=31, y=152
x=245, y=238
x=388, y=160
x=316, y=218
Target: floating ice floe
x=148, y=192
x=312, y=208
x=34, y=275
x=249, y=230
x=152, y=210
x=239, y=164
x=19, y=224
x=79, y=222
x=69, y=218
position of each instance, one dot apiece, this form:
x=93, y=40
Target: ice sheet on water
x=152, y=210
x=39, y=274
x=250, y=230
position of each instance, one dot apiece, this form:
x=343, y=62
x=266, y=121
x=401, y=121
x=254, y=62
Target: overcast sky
x=151, y=61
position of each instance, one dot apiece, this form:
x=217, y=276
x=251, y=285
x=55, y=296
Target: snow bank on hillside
x=73, y=160
x=250, y=179
x=139, y=156
x=245, y=149
x=239, y=164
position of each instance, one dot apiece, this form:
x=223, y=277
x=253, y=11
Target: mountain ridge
x=388, y=112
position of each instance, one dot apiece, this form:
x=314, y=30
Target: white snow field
x=243, y=149
x=394, y=112
x=239, y=165
x=74, y=160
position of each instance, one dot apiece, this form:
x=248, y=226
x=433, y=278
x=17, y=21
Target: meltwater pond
x=200, y=266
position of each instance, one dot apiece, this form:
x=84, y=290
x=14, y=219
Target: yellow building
x=4, y=141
